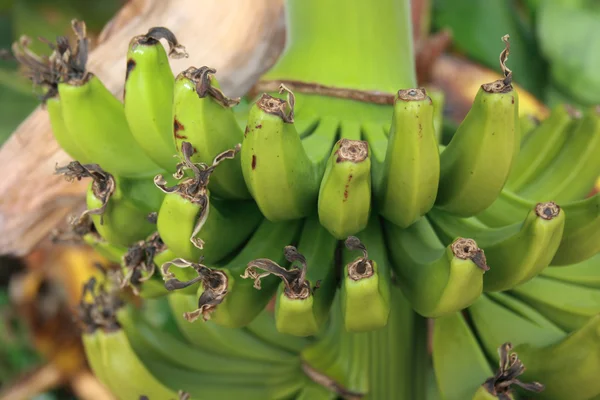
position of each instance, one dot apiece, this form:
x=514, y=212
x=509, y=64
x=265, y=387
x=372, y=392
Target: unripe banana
x=572, y=173
x=306, y=293
x=515, y=253
x=111, y=252
x=192, y=224
x=63, y=136
x=276, y=168
x=345, y=195
x=438, y=99
x=97, y=119
x=476, y=163
x=569, y=369
x=581, y=235
x=541, y=147
x=118, y=207
x=46, y=72
x=527, y=124
x=224, y=295
x=204, y=118
x=437, y=280
x=365, y=292
x=585, y=273
x=148, y=94
x=407, y=185
x=459, y=363
x=568, y=305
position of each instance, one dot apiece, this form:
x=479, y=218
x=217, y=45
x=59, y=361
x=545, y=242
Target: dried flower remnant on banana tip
x=139, y=262
x=362, y=267
x=98, y=306
x=294, y=279
x=65, y=63
x=154, y=35
x=103, y=185
x=214, y=282
x=511, y=367
x=195, y=189
x=502, y=85
x=466, y=249
x=202, y=77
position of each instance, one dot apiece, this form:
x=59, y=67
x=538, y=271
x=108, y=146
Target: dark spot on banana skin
x=253, y=161
x=346, y=188
x=130, y=66
x=177, y=127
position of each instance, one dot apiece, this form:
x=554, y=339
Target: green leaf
x=569, y=35
x=477, y=27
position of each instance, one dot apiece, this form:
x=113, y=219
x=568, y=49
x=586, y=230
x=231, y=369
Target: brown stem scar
x=329, y=383
x=467, y=249
x=547, y=211
x=419, y=94
x=364, y=96
x=362, y=267
x=354, y=151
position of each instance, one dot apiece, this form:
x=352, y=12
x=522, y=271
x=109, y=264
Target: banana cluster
x=357, y=225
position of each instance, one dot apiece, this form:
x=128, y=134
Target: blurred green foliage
x=555, y=44
x=38, y=18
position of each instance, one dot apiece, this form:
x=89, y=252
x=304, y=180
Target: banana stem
x=350, y=44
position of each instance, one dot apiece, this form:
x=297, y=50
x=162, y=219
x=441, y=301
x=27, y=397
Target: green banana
x=46, y=73
x=118, y=207
x=344, y=201
x=212, y=338
x=567, y=305
x=438, y=98
x=148, y=94
x=581, y=235
x=542, y=147
x=192, y=223
x=498, y=318
x=338, y=359
x=437, y=280
x=202, y=116
x=113, y=253
x=307, y=291
x=161, y=345
x=476, y=163
x=394, y=350
x=97, y=118
x=459, y=362
x=515, y=253
x=278, y=172
x=527, y=123
x=263, y=327
x=573, y=171
x=63, y=136
x=407, y=184
x=224, y=295
x=585, y=273
x=499, y=385
x=569, y=369
x=365, y=291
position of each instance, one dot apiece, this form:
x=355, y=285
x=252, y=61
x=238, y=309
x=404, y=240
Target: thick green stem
x=354, y=44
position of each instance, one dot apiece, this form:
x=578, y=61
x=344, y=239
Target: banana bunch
x=356, y=226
